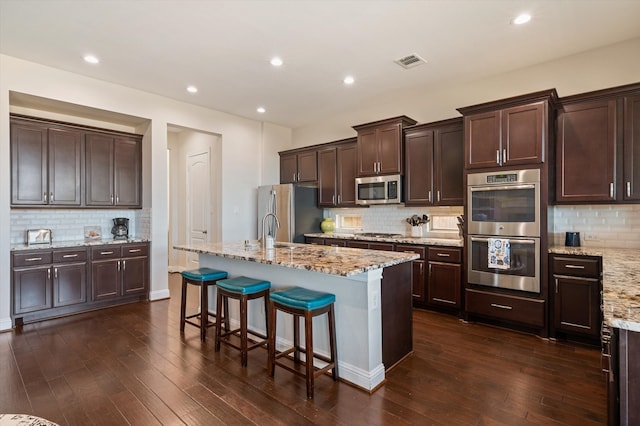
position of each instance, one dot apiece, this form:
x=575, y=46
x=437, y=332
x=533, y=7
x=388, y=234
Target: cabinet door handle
x=443, y=254
x=374, y=167
x=298, y=177
x=119, y=267
x=111, y=198
x=430, y=271
x=628, y=189
x=55, y=273
x=556, y=286
x=438, y=196
x=33, y=259
x=495, y=305
x=421, y=267
x=48, y=274
x=437, y=299
x=46, y=200
x=51, y=197
x=611, y=190
x=139, y=250
x=504, y=156
x=106, y=252
x=574, y=266
x=67, y=256
x=429, y=196
x=333, y=199
x=124, y=265
x=498, y=156
x=339, y=199
x=117, y=199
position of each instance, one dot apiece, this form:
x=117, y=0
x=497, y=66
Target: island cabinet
x=508, y=132
x=298, y=166
x=45, y=164
x=380, y=147
x=113, y=171
x=599, y=131
x=434, y=158
x=47, y=283
x=337, y=165
x=576, y=285
x=119, y=271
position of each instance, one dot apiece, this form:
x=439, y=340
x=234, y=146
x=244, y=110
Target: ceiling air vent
x=410, y=61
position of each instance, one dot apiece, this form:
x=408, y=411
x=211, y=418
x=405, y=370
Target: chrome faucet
x=268, y=234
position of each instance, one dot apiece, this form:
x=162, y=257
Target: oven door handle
x=500, y=188
x=516, y=240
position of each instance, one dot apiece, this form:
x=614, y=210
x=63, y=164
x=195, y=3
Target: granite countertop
x=426, y=241
x=341, y=261
x=620, y=283
x=76, y=243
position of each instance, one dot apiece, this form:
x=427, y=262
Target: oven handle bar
x=500, y=188
x=518, y=240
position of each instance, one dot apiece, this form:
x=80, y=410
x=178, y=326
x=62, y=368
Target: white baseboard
x=159, y=295
x=6, y=324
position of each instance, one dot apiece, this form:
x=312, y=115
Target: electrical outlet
x=590, y=237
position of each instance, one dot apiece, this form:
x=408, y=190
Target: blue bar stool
x=242, y=289
x=202, y=277
x=301, y=302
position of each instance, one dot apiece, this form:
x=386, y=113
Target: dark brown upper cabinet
x=598, y=147
x=380, y=147
x=45, y=164
x=434, y=164
x=508, y=132
x=113, y=171
x=298, y=166
x=337, y=165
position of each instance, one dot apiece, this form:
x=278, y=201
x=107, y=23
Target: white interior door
x=198, y=201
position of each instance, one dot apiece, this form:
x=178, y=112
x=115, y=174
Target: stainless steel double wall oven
x=504, y=205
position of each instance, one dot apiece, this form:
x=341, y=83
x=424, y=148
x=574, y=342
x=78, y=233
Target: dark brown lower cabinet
x=575, y=293
x=48, y=283
x=490, y=304
x=444, y=277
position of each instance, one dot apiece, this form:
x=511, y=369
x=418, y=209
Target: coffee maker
x=120, y=228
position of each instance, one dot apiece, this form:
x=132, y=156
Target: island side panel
x=357, y=310
x=397, y=314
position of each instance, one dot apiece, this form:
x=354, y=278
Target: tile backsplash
x=391, y=218
x=69, y=224
x=616, y=226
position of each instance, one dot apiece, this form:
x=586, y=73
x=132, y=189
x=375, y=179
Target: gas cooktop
x=378, y=234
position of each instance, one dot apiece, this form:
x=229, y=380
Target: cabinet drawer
x=105, y=252
x=32, y=258
x=134, y=250
x=577, y=266
x=72, y=255
x=505, y=307
x=381, y=246
x=420, y=250
x=445, y=254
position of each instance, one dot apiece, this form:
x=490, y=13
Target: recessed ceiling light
x=523, y=18
x=276, y=62
x=261, y=110
x=91, y=59
x=192, y=89
x=348, y=80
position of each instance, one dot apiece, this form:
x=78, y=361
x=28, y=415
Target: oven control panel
x=502, y=178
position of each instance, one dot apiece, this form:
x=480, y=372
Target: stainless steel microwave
x=379, y=190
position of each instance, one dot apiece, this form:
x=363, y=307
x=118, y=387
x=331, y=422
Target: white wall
x=593, y=70
x=240, y=173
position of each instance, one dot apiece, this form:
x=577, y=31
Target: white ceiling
x=224, y=47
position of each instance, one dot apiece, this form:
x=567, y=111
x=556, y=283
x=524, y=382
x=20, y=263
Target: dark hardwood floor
x=129, y=365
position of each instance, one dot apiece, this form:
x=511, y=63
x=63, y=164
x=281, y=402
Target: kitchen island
x=373, y=298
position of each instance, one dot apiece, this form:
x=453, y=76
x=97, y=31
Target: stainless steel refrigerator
x=295, y=207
